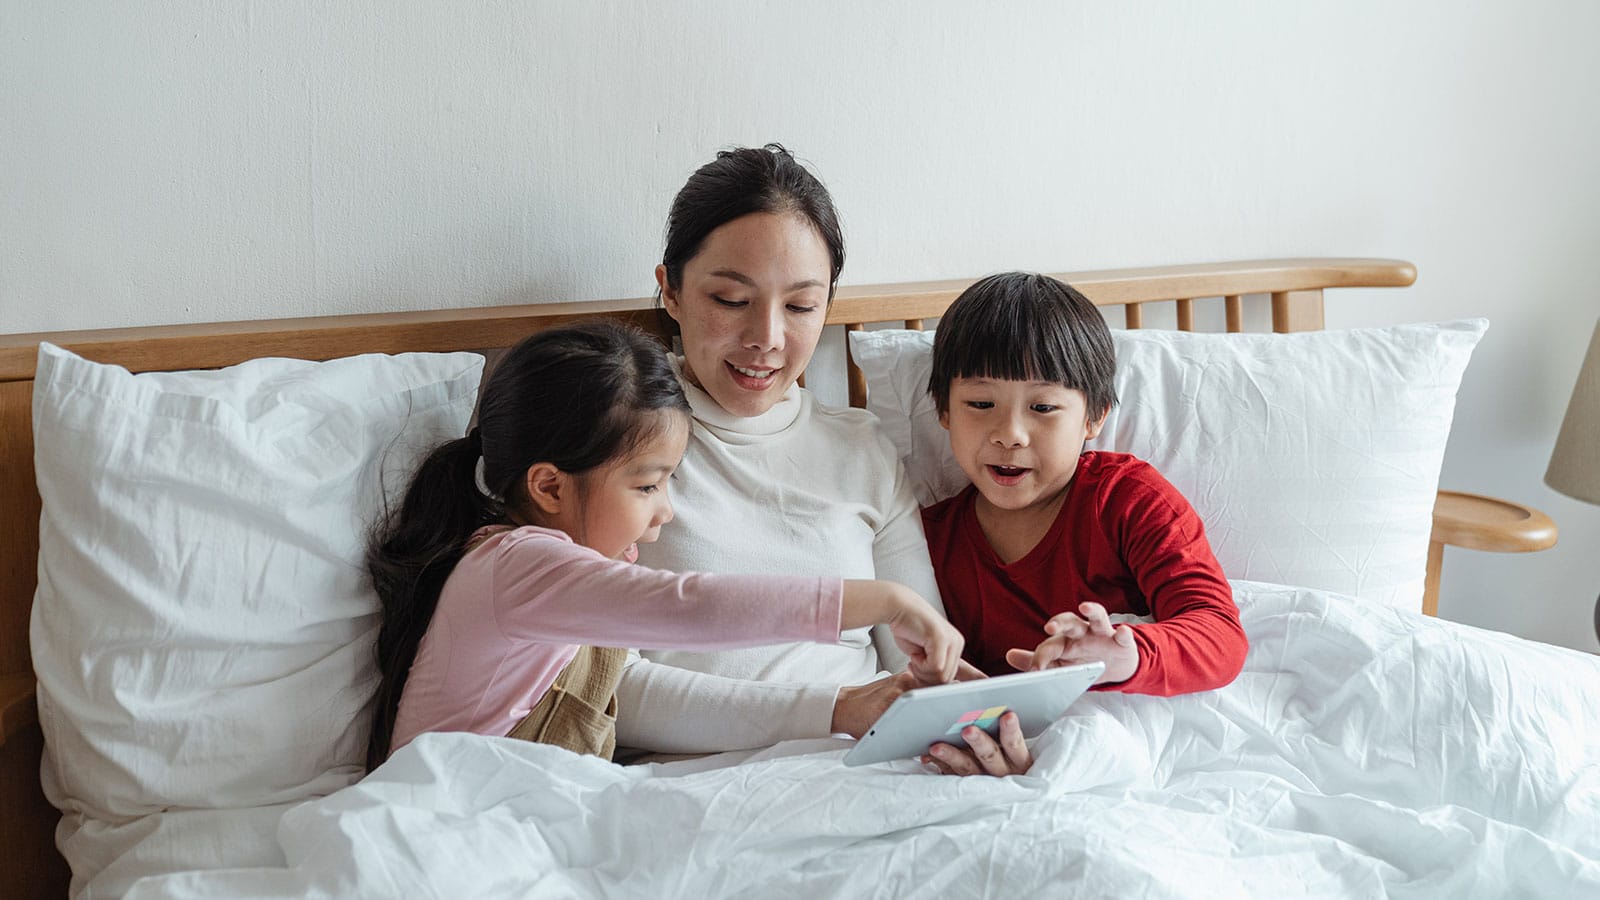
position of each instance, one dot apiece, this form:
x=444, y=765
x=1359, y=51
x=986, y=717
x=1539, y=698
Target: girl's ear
x=669, y=297
x=548, y=487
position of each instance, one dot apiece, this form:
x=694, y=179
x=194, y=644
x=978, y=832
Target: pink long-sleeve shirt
x=517, y=607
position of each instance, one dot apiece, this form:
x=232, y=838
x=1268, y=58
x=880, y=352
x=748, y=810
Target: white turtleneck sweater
x=802, y=489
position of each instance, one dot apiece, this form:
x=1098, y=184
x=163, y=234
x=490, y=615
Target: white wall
x=176, y=162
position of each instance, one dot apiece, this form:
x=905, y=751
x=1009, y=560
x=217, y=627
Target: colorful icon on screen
x=982, y=718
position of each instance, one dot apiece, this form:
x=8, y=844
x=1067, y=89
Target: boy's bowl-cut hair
x=1022, y=326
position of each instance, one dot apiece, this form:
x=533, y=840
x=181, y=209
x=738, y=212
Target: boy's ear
x=669, y=297
x=548, y=487
x=1093, y=426
x=944, y=420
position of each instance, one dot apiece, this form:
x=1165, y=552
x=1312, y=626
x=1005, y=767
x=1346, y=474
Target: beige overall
x=579, y=712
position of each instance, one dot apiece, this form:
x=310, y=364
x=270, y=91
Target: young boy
x=1050, y=539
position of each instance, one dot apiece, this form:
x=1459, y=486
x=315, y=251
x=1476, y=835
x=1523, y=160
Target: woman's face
x=751, y=308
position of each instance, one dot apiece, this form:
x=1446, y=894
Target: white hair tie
x=483, y=486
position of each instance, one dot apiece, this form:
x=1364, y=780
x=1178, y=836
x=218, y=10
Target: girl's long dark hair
x=576, y=397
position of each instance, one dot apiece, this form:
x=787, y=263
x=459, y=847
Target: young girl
x=511, y=555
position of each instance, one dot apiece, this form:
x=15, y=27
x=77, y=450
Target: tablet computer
x=922, y=717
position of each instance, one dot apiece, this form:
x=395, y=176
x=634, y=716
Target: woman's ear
x=548, y=487
x=669, y=297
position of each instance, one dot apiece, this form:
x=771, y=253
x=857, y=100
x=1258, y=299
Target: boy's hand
x=1084, y=636
x=983, y=755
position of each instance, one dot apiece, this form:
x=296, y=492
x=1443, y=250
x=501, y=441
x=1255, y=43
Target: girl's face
x=751, y=308
x=624, y=502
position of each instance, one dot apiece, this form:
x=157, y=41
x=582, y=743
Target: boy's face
x=1018, y=441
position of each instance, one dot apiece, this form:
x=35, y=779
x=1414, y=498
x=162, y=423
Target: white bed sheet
x=1364, y=751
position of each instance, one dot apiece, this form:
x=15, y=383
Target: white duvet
x=1363, y=752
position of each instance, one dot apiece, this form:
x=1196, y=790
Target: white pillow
x=1313, y=458
x=202, y=631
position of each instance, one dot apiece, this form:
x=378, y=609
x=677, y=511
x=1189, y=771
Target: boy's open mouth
x=1008, y=474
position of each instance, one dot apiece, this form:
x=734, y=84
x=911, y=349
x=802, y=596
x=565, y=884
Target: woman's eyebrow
x=733, y=275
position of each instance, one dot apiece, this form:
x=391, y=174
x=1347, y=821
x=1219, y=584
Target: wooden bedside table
x=1482, y=523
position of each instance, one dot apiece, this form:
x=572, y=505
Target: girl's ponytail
x=409, y=557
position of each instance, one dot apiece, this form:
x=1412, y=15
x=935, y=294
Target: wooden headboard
x=1293, y=289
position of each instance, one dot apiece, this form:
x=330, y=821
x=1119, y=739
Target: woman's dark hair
x=737, y=183
x=1025, y=327
x=575, y=397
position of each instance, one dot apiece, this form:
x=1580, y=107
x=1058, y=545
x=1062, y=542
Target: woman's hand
x=982, y=755
x=858, y=706
x=928, y=640
x=1085, y=636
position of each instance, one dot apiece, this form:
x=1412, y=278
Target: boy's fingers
x=966, y=671
x=953, y=760
x=985, y=750
x=1019, y=659
x=1095, y=616
x=1013, y=745
x=1123, y=635
x=1055, y=622
x=1068, y=625
x=1049, y=652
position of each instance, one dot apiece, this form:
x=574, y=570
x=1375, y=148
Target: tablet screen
x=925, y=716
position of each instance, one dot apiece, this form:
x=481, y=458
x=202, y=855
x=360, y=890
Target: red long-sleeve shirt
x=1125, y=538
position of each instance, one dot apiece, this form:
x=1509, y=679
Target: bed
x=1368, y=748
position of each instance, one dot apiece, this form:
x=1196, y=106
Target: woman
x=772, y=481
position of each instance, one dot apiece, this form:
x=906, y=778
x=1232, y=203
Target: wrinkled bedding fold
x=1363, y=752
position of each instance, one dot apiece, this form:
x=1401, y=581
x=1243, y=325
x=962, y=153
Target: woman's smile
x=753, y=378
